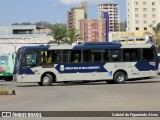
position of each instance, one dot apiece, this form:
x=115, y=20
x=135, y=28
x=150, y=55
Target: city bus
x=101, y=61
x=6, y=66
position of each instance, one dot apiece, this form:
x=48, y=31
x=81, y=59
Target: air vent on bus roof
x=101, y=43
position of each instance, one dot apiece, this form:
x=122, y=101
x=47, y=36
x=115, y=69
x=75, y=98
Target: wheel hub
x=120, y=78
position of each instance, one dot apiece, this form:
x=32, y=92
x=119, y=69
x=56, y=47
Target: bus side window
x=56, y=56
x=131, y=55
x=92, y=55
x=43, y=56
x=76, y=56
x=115, y=55
x=49, y=57
x=105, y=55
x=96, y=55
x=66, y=56
x=85, y=56
x=126, y=56
x=148, y=54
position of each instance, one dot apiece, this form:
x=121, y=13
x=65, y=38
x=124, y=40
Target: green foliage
x=23, y=23
x=62, y=35
x=158, y=46
x=52, y=42
x=44, y=24
x=59, y=32
x=72, y=35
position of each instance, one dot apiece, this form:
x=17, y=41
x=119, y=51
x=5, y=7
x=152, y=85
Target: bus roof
x=89, y=45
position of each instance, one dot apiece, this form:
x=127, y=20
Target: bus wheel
x=46, y=80
x=119, y=78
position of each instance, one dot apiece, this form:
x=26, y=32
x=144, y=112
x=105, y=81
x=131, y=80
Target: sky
x=52, y=11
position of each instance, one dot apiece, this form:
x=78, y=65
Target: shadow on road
x=78, y=83
x=130, y=82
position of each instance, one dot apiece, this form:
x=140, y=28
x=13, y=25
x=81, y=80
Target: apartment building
x=76, y=14
x=114, y=18
x=93, y=30
x=141, y=14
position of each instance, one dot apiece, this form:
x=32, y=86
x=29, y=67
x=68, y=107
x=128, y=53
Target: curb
x=8, y=92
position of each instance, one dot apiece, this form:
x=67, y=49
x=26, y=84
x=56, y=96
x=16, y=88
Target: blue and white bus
x=111, y=62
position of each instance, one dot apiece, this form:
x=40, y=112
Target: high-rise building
x=84, y=5
x=93, y=30
x=114, y=18
x=141, y=14
x=76, y=14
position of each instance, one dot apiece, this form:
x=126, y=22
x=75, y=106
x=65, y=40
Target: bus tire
x=119, y=78
x=46, y=80
x=40, y=83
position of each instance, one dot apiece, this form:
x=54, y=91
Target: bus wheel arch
x=47, y=79
x=120, y=76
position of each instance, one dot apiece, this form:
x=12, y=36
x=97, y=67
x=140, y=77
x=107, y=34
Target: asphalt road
x=141, y=95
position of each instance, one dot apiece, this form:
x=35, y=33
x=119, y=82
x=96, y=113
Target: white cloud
x=93, y=2
x=69, y=2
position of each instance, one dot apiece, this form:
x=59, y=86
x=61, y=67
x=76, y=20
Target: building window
x=153, y=16
x=144, y=3
x=153, y=3
x=137, y=28
x=145, y=28
x=136, y=3
x=144, y=15
x=136, y=9
x=136, y=21
x=145, y=22
x=136, y=15
x=154, y=22
x=144, y=9
x=153, y=9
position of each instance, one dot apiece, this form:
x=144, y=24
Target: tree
x=23, y=23
x=72, y=35
x=59, y=32
x=15, y=24
x=44, y=24
x=155, y=32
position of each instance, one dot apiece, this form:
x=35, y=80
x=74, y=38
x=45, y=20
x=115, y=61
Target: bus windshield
x=17, y=59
